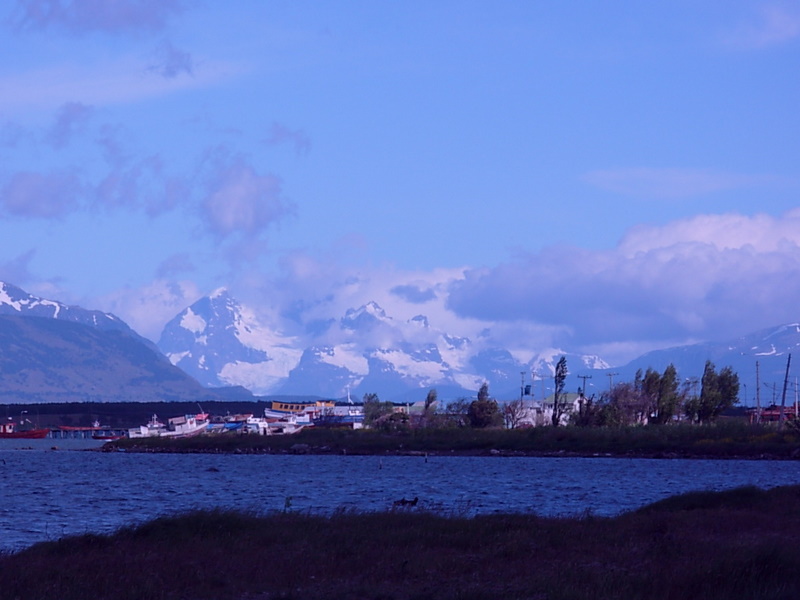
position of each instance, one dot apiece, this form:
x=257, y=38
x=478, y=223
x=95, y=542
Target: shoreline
x=498, y=453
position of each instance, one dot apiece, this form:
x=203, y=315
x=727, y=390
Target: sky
x=603, y=177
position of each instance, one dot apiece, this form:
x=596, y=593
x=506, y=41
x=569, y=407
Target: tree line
x=652, y=397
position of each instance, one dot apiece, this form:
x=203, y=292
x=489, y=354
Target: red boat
x=9, y=430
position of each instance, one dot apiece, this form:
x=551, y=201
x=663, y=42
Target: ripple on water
x=64, y=493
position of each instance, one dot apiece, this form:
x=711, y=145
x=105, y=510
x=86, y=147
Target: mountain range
x=217, y=347
x=220, y=342
x=51, y=352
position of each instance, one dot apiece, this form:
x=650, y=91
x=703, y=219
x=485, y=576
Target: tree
x=430, y=399
x=484, y=411
x=456, y=412
x=624, y=405
x=513, y=412
x=395, y=422
x=669, y=400
x=374, y=409
x=718, y=392
x=560, y=379
x=659, y=393
x=429, y=409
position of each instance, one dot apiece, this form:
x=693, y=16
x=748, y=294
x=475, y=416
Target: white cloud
x=763, y=233
x=243, y=201
x=776, y=23
x=41, y=195
x=83, y=16
x=669, y=184
x=148, y=308
x=71, y=119
x=708, y=277
x=168, y=61
x=280, y=134
x=103, y=81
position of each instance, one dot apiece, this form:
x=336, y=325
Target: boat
x=303, y=411
x=9, y=430
x=351, y=417
x=176, y=427
x=107, y=437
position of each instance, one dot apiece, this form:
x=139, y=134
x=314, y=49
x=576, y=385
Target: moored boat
x=9, y=430
x=176, y=427
x=107, y=437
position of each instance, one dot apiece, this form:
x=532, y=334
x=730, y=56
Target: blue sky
x=595, y=176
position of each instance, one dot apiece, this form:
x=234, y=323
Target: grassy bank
x=738, y=544
x=722, y=440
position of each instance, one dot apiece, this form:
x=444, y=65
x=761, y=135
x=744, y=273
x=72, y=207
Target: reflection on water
x=47, y=493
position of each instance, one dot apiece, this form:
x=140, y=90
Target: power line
x=584, y=377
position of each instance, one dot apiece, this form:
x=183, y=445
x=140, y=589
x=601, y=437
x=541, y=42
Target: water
x=46, y=494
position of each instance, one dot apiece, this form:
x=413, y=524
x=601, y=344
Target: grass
x=736, y=544
x=723, y=440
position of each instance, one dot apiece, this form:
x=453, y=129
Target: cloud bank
x=85, y=16
x=706, y=277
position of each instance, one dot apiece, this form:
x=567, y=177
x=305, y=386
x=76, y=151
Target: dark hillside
x=49, y=360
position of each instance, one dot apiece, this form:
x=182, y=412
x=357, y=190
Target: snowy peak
x=16, y=301
x=219, y=342
x=366, y=350
x=421, y=321
x=364, y=318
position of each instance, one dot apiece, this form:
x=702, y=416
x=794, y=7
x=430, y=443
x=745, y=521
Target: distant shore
x=723, y=441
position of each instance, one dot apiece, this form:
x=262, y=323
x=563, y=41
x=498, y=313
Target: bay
x=46, y=494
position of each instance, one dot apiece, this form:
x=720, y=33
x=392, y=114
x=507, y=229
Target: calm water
x=47, y=494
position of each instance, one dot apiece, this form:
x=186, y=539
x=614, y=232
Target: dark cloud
x=71, y=119
x=413, y=293
x=242, y=201
x=12, y=134
x=685, y=291
x=168, y=61
x=144, y=184
x=50, y=195
x=112, y=148
x=84, y=16
x=280, y=134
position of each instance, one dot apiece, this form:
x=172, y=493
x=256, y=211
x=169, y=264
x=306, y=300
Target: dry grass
x=739, y=544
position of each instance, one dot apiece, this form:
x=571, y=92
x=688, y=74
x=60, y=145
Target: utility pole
x=522, y=385
x=611, y=380
x=584, y=377
x=783, y=397
x=758, y=396
x=774, y=388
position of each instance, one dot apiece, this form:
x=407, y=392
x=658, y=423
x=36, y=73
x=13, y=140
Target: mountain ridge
x=217, y=344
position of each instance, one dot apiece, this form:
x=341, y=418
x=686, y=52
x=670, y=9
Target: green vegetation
x=725, y=439
x=657, y=400
x=737, y=544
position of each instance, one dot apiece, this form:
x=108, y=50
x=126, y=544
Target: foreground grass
x=722, y=440
x=738, y=544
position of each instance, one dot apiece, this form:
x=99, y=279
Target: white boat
x=176, y=427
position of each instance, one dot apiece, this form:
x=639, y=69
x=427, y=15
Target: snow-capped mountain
x=770, y=348
x=220, y=342
x=17, y=302
x=51, y=352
